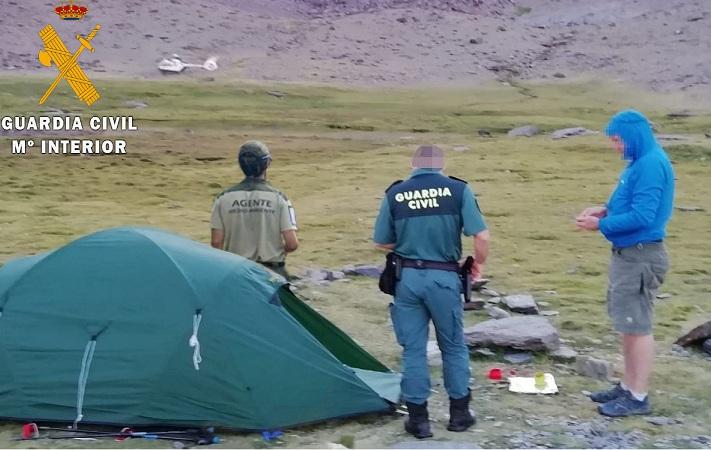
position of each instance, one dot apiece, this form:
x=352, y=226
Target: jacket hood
x=635, y=131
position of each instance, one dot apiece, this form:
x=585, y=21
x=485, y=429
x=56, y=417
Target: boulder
x=523, y=333
x=594, y=368
x=524, y=304
x=569, y=132
x=527, y=131
x=697, y=335
x=707, y=346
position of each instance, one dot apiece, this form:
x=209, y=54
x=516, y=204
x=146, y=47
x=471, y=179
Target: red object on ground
x=30, y=431
x=495, y=374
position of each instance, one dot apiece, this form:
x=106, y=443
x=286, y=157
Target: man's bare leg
x=638, y=352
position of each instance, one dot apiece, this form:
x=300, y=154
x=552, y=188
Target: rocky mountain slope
x=651, y=43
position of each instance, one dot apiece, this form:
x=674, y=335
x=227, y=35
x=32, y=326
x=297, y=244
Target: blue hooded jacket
x=642, y=203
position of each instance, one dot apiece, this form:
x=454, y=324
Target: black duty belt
x=273, y=264
x=424, y=264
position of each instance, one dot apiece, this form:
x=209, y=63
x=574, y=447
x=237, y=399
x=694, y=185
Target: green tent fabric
x=137, y=326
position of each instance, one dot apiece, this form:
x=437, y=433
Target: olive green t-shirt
x=253, y=214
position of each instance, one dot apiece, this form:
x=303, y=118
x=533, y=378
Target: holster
x=391, y=273
x=466, y=278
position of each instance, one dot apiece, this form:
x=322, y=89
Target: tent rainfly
x=137, y=326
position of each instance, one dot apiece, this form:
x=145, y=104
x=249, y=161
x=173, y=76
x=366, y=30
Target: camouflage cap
x=256, y=148
x=428, y=157
x=254, y=158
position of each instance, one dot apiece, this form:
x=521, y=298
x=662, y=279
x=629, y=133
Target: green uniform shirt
x=253, y=214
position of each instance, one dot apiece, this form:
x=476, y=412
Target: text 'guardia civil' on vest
x=423, y=198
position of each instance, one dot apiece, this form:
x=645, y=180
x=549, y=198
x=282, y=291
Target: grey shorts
x=635, y=275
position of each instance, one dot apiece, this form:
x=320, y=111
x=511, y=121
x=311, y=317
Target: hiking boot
x=418, y=422
x=460, y=417
x=608, y=395
x=625, y=405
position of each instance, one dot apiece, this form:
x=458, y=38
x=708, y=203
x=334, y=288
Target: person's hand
x=590, y=223
x=477, y=271
x=595, y=211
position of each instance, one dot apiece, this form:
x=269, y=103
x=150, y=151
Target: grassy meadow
x=335, y=151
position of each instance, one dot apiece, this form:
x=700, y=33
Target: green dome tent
x=136, y=326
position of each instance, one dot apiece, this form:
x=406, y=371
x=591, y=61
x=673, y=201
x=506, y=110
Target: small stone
x=524, y=304
x=586, y=393
x=402, y=19
x=564, y=353
x=549, y=313
x=594, y=368
x=315, y=275
x=367, y=270
x=544, y=304
x=569, y=132
x=551, y=292
x=689, y=208
x=519, y=358
x=525, y=131
x=663, y=296
x=497, y=313
x=135, y=104
x=661, y=421
x=476, y=41
x=483, y=352
x=333, y=275
x=489, y=292
x=493, y=300
x=680, y=351
x=474, y=304
x=559, y=75
x=277, y=94
x=434, y=355
x=706, y=346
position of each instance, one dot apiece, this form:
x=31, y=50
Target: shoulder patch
x=392, y=185
x=458, y=179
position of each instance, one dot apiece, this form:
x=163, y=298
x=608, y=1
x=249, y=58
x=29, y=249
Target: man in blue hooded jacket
x=634, y=221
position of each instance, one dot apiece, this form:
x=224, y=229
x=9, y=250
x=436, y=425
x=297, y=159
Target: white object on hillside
x=175, y=64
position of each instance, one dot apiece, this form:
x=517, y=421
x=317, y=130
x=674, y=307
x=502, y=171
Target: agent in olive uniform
x=422, y=220
x=252, y=218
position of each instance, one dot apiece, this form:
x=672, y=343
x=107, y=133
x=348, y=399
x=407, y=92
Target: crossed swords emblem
x=56, y=52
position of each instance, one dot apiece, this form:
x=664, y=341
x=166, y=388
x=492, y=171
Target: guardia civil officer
x=634, y=221
x=422, y=220
x=252, y=218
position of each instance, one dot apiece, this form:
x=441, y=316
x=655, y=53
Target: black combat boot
x=418, y=422
x=460, y=418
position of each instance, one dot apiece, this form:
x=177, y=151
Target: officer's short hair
x=428, y=157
